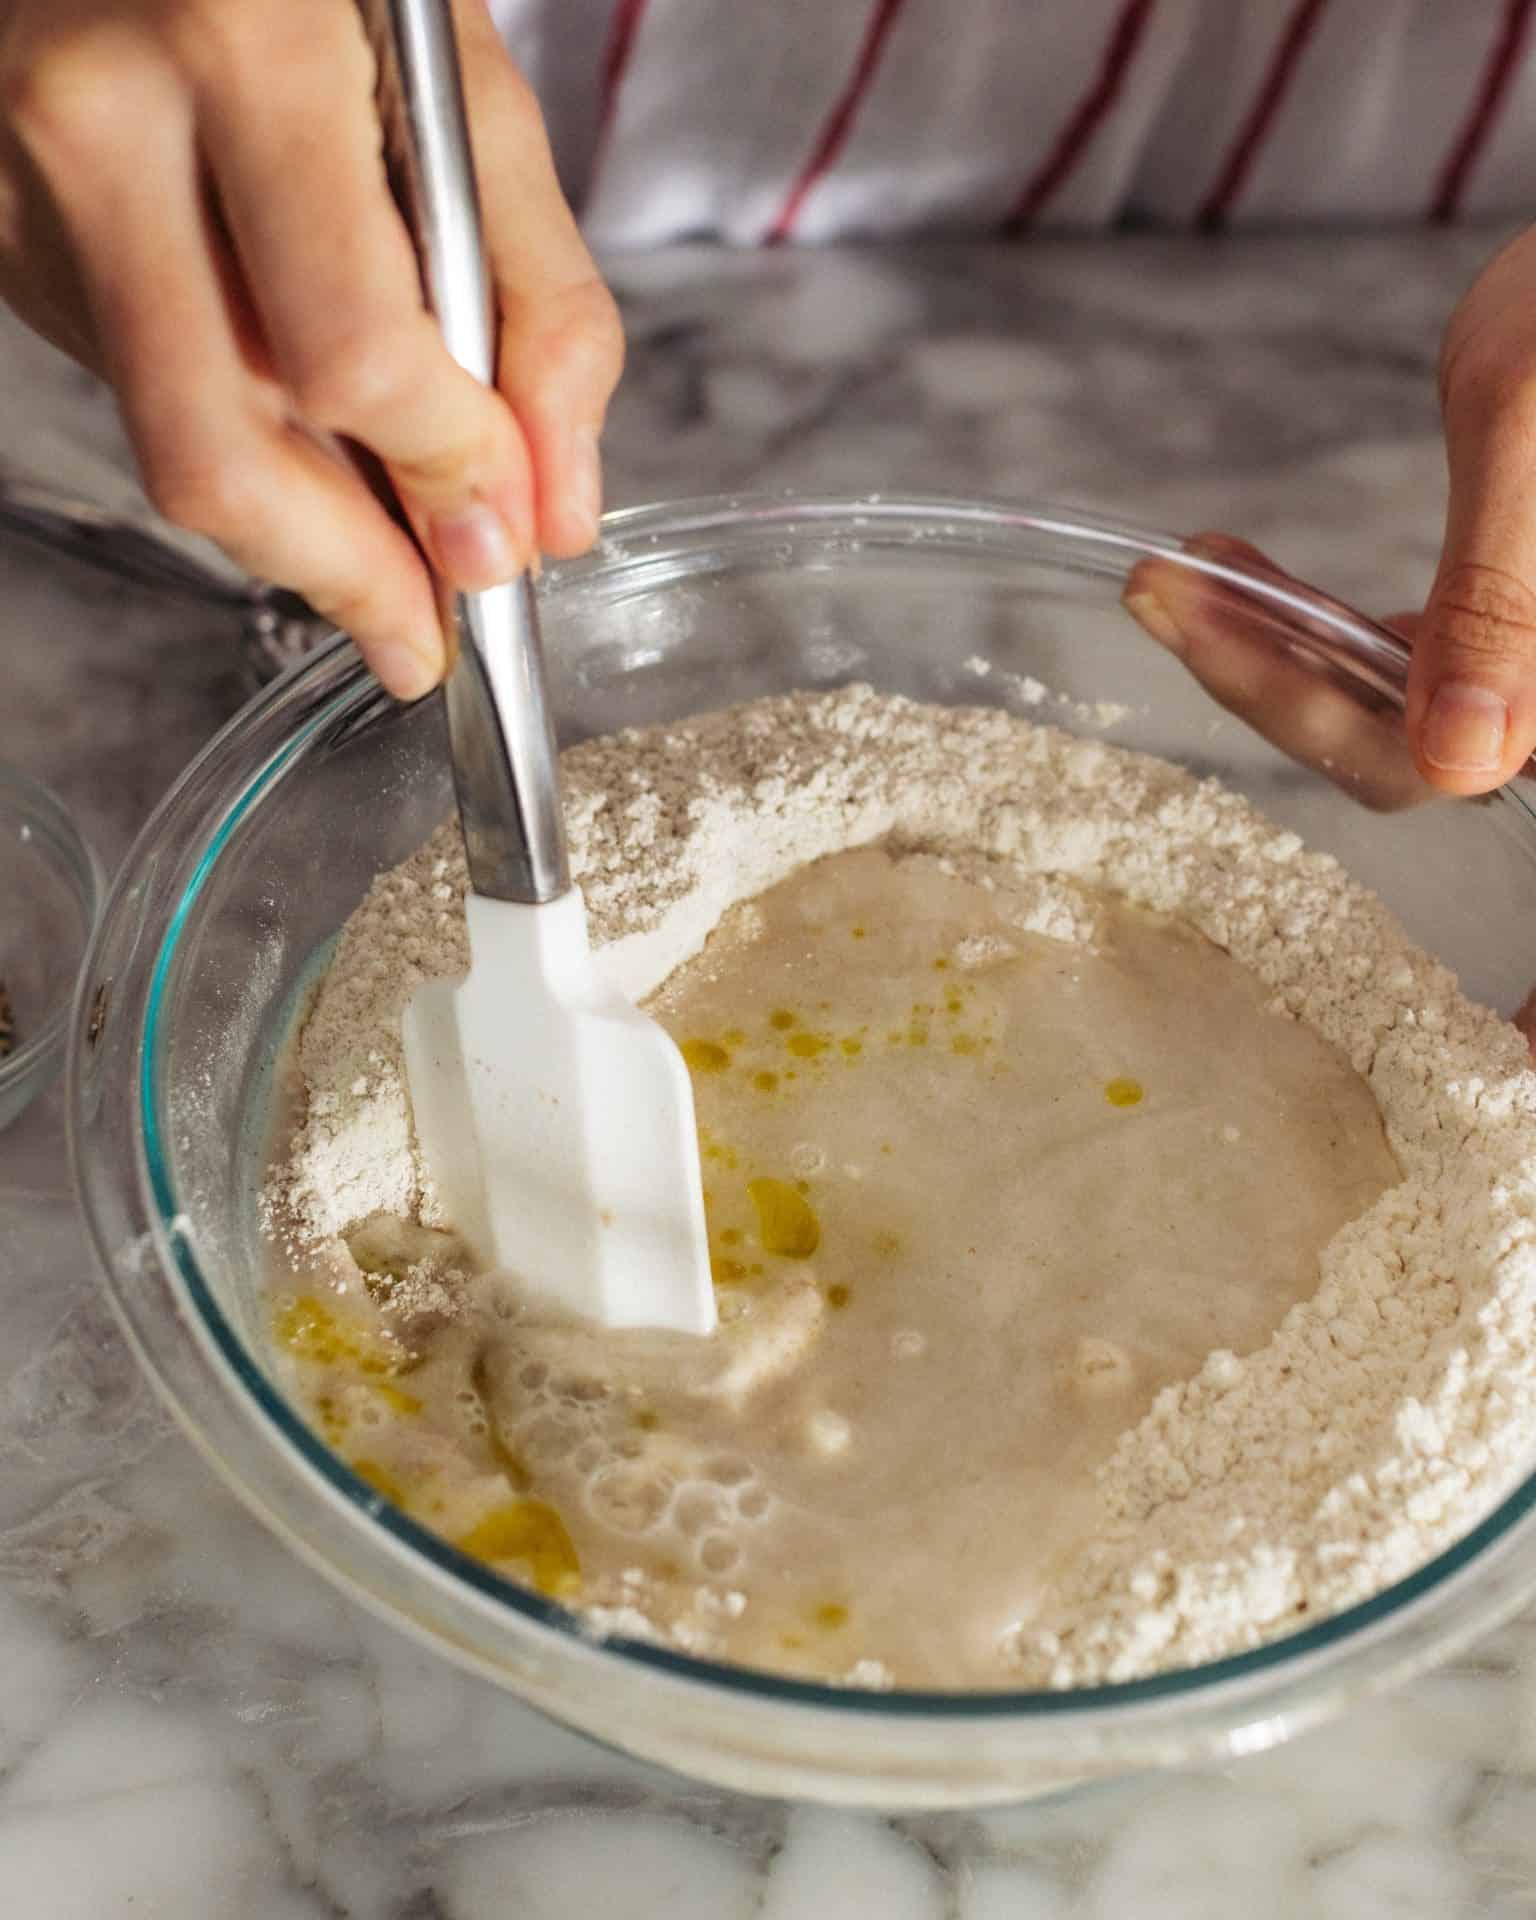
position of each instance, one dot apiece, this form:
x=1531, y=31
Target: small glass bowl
x=51, y=885
x=229, y=901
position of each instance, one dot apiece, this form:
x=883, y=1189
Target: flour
x=1386, y=1415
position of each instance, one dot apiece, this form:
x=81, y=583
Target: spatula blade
x=556, y=1121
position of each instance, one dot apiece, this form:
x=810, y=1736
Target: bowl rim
x=351, y=687
x=58, y=839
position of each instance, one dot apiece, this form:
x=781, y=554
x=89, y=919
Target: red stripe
x=1073, y=140
x=839, y=122
x=1261, y=117
x=1492, y=89
x=622, y=31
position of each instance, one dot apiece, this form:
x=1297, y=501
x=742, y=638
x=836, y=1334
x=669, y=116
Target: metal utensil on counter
x=276, y=626
x=555, y=1118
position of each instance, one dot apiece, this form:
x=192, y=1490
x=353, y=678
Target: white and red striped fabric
x=764, y=121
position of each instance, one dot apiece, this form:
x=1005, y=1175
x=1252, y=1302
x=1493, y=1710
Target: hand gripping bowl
x=269, y=839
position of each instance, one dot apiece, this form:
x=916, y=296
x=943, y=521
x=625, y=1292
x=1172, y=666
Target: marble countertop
x=194, y=1725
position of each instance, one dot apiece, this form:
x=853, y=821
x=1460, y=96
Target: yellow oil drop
x=733, y=1037
x=765, y=1082
x=730, y=1236
x=838, y=1296
x=831, y=1616
x=311, y=1331
x=782, y=1019
x=727, y=1272
x=806, y=1046
x=380, y=1479
x=859, y=932
x=786, y=1221
x=1124, y=1093
x=647, y=1419
x=396, y=1398
x=940, y=965
x=531, y=1537
x=965, y=1043
x=885, y=1241
x=917, y=1036
x=853, y=1048
x=705, y=1056
x=308, y=1328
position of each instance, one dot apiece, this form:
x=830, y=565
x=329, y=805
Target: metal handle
x=505, y=768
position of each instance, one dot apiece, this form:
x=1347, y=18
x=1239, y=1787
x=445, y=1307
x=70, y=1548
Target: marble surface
x=194, y=1725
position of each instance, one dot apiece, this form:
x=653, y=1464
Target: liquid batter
x=975, y=1195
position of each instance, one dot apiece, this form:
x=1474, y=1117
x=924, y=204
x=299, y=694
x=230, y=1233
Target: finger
x=39, y=275
x=562, y=343
x=1243, y=652
x=1472, y=685
x=217, y=453
x=338, y=294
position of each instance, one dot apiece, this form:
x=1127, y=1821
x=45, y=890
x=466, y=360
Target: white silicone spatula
x=555, y=1118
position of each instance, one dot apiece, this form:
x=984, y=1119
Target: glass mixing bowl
x=269, y=839
x=51, y=884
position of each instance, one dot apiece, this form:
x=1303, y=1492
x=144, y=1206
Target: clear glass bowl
x=227, y=902
x=51, y=886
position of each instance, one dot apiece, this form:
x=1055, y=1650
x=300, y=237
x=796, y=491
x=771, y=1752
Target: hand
x=1240, y=651
x=1233, y=644
x=1472, y=683
x=193, y=203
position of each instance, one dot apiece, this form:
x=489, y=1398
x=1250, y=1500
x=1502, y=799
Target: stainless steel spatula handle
x=504, y=764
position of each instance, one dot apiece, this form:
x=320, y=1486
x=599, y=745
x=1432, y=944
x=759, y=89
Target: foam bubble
x=696, y=1509
x=729, y=1470
x=548, y=1438
x=718, y=1554
x=631, y=1501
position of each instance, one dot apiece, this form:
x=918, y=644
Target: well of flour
x=1091, y=1303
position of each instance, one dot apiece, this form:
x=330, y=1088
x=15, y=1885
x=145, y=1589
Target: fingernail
x=407, y=672
x=1149, y=612
x=1464, y=729
x=585, y=498
x=474, y=548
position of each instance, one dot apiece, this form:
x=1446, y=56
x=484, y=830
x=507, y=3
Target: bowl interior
x=677, y=615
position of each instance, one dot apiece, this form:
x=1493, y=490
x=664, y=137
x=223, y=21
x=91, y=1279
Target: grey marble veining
x=193, y=1724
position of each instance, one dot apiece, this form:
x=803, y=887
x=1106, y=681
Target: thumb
x=1472, y=684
